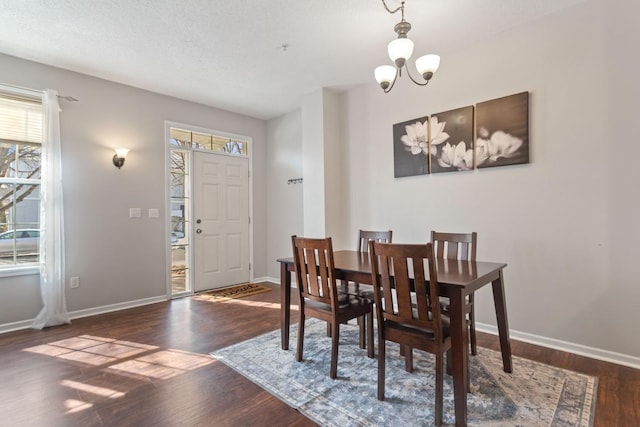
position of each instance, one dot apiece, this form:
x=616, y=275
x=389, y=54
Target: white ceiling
x=228, y=54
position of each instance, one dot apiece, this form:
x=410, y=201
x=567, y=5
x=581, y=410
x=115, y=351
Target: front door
x=221, y=220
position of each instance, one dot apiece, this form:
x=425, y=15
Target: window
x=20, y=143
x=205, y=141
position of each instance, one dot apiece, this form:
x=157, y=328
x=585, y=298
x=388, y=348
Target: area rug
x=232, y=292
x=535, y=394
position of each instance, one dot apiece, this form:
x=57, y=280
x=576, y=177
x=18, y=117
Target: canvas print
x=410, y=148
x=502, y=131
x=451, y=140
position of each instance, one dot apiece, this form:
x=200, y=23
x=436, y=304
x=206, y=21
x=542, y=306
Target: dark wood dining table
x=456, y=279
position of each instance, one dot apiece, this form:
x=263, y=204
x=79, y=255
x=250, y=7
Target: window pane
x=180, y=137
x=234, y=147
x=179, y=162
x=27, y=164
x=202, y=141
x=178, y=269
x=7, y=208
x=27, y=210
x=7, y=159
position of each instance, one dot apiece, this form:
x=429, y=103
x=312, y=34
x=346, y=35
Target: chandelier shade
x=428, y=64
x=400, y=50
x=385, y=73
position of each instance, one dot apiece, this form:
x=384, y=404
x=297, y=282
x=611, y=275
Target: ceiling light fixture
x=400, y=51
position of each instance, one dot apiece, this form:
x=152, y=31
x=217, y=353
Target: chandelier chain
x=399, y=8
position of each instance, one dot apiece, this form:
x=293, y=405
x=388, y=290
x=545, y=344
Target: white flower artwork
x=411, y=147
x=502, y=131
x=445, y=142
x=451, y=143
x=415, y=139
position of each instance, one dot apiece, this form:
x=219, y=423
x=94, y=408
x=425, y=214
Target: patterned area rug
x=238, y=291
x=534, y=395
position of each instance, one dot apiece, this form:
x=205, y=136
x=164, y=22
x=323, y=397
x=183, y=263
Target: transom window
x=205, y=141
x=20, y=155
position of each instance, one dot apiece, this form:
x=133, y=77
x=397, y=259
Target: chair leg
x=335, y=339
x=408, y=358
x=300, y=336
x=382, y=350
x=328, y=329
x=363, y=328
x=472, y=327
x=439, y=388
x=369, y=317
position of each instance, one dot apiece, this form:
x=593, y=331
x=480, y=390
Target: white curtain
x=52, y=275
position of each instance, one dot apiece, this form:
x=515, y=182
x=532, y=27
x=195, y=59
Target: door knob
x=198, y=231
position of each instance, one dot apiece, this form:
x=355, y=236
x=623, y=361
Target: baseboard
x=116, y=307
x=15, y=326
x=263, y=279
x=26, y=324
x=569, y=347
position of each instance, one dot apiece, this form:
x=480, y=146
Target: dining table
x=456, y=279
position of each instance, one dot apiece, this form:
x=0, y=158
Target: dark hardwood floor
x=150, y=366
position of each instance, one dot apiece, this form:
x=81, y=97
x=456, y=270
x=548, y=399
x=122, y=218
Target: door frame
x=167, y=194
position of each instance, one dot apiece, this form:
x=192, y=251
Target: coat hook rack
x=294, y=181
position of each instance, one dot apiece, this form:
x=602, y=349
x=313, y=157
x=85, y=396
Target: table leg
x=285, y=305
x=503, y=325
x=459, y=355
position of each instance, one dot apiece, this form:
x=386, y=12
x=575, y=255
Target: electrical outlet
x=75, y=282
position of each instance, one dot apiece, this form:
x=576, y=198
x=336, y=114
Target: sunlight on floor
x=73, y=405
x=163, y=364
x=257, y=304
x=149, y=363
x=100, y=391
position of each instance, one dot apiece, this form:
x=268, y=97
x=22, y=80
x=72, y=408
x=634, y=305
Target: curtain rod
x=31, y=92
x=68, y=98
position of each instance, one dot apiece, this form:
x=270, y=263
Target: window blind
x=20, y=119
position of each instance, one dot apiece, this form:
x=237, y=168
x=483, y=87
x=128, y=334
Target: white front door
x=221, y=220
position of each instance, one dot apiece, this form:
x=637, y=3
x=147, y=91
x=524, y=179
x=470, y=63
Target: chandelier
x=400, y=51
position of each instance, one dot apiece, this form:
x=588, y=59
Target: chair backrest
x=397, y=271
x=455, y=245
x=315, y=271
x=379, y=236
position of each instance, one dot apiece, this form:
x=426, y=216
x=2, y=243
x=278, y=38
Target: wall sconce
x=120, y=156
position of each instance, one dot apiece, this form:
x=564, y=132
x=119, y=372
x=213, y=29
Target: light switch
x=135, y=213
x=154, y=213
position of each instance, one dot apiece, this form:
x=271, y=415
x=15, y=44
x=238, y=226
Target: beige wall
x=285, y=201
x=567, y=223
x=118, y=259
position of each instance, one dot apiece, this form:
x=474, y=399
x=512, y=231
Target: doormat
x=233, y=292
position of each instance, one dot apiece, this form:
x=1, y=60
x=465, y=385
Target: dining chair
x=460, y=246
x=379, y=236
x=320, y=298
x=408, y=307
x=363, y=247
